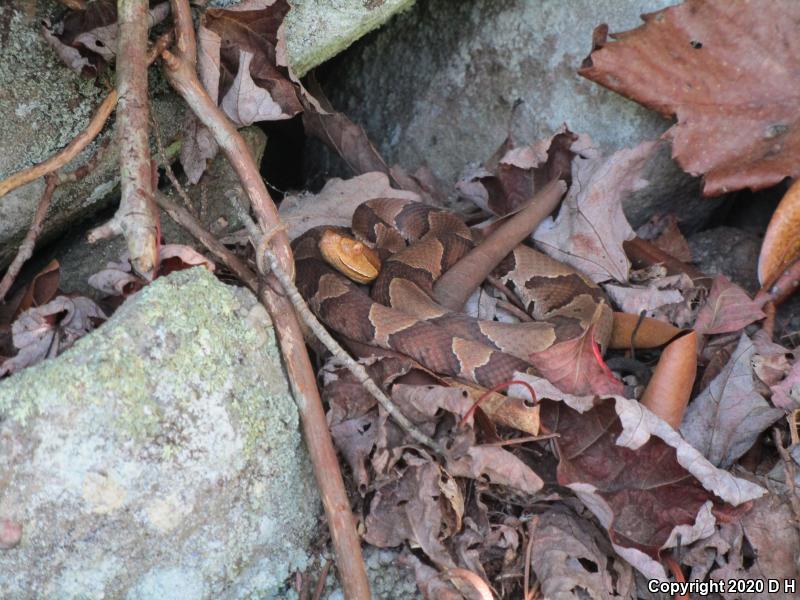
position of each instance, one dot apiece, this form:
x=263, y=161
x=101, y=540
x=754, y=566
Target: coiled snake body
x=422, y=242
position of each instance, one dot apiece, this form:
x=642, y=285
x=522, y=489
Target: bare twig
x=69, y=152
x=83, y=139
x=136, y=217
x=180, y=71
x=26, y=247
x=52, y=181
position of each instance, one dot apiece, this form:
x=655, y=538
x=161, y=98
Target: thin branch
x=180, y=71
x=69, y=152
x=83, y=139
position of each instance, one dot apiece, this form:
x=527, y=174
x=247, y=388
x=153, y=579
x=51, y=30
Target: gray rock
x=438, y=85
x=159, y=458
x=728, y=251
x=43, y=105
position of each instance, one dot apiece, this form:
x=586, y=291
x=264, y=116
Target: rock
x=212, y=201
x=317, y=30
x=728, y=251
x=438, y=85
x=159, y=458
x=43, y=105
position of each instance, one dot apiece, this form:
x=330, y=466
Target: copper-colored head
x=350, y=257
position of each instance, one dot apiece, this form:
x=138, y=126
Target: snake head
x=350, y=257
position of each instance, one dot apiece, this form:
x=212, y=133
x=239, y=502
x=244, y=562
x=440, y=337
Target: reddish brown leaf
x=635, y=473
x=669, y=390
x=727, y=309
x=238, y=62
x=514, y=174
x=781, y=245
x=576, y=367
x=663, y=231
x=591, y=226
x=727, y=417
x=727, y=71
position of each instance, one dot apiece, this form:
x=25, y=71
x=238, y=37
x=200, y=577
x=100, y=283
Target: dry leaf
x=591, y=226
x=727, y=417
x=496, y=466
x=635, y=473
x=650, y=333
x=781, y=245
x=727, y=309
x=786, y=394
x=669, y=390
x=576, y=367
x=47, y=330
x=515, y=173
x=239, y=43
x=662, y=230
x=727, y=71
x=571, y=558
x=335, y=203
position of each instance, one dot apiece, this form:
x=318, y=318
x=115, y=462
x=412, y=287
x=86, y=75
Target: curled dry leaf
x=335, y=203
x=591, y=227
x=633, y=331
x=637, y=475
x=47, y=330
x=728, y=308
x=786, y=394
x=496, y=466
x=669, y=389
x=727, y=417
x=781, y=245
x=727, y=71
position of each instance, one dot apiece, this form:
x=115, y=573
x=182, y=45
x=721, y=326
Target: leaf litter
x=580, y=486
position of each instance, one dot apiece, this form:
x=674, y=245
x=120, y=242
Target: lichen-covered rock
x=43, y=106
x=439, y=83
x=159, y=458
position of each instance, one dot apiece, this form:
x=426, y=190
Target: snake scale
x=418, y=243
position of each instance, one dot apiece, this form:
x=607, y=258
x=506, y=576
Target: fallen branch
x=180, y=71
x=26, y=248
x=136, y=217
x=80, y=141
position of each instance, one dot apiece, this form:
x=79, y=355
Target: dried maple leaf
x=728, y=308
x=591, y=226
x=576, y=367
x=727, y=417
x=727, y=71
x=47, y=330
x=635, y=473
x=511, y=177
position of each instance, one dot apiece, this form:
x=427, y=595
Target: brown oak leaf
x=591, y=226
x=728, y=72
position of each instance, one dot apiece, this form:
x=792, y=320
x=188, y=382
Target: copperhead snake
x=417, y=244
